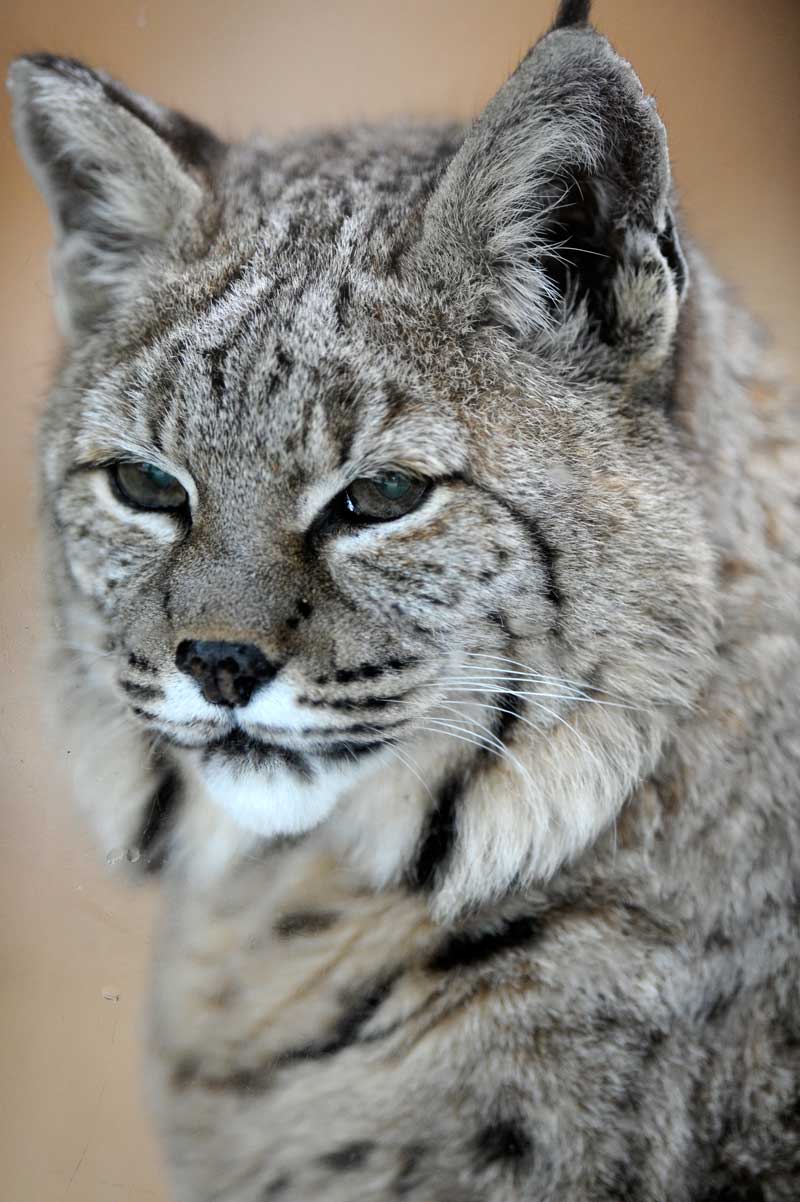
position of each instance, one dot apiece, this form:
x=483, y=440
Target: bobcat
x=423, y=533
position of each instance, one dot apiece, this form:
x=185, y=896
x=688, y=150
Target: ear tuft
x=572, y=12
x=123, y=178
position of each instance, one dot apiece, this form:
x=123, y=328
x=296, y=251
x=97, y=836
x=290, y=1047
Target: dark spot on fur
x=502, y=1142
x=472, y=947
x=718, y=941
x=370, y=671
x=276, y=1187
x=185, y=1073
x=408, y=1171
x=145, y=714
x=304, y=922
x=139, y=661
x=741, y=1186
x=498, y=618
x=142, y=692
x=438, y=839
x=293, y=623
x=717, y=1008
x=344, y=298
x=304, y=608
x=654, y=1041
x=625, y=1182
x=216, y=361
x=399, y=665
x=349, y=1156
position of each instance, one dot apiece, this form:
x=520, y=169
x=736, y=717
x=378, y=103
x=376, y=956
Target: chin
x=272, y=798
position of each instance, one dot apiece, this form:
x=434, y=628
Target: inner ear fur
x=123, y=178
x=558, y=205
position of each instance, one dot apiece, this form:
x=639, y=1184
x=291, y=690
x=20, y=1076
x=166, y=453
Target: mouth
x=275, y=789
x=242, y=748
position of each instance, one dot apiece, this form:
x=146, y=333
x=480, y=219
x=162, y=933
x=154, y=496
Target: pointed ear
x=559, y=202
x=123, y=178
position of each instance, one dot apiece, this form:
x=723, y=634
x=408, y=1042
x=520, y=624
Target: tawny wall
x=725, y=76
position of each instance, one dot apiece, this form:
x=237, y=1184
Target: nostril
x=227, y=673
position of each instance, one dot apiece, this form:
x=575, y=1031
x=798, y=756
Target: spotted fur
x=492, y=891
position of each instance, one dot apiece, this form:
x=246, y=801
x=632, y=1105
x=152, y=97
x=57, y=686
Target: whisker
x=481, y=686
x=495, y=686
x=512, y=759
x=551, y=713
x=578, y=684
x=411, y=766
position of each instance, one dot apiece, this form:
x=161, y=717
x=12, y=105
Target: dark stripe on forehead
x=342, y=303
x=395, y=402
x=341, y=396
x=215, y=361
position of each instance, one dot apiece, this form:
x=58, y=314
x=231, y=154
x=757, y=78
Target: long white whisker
x=411, y=766
x=496, y=743
x=493, y=686
x=475, y=739
x=579, y=684
x=545, y=709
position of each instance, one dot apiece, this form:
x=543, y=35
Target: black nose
x=228, y=673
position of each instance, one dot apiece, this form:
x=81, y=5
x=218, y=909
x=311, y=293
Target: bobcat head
x=361, y=477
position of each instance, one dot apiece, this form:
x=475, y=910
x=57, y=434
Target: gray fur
x=509, y=908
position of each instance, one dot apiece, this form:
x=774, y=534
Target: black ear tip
x=572, y=12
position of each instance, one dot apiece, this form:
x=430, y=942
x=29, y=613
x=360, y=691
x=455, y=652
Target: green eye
x=145, y=486
x=383, y=497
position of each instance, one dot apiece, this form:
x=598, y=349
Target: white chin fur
x=273, y=801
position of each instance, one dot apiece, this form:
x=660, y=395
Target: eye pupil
x=392, y=485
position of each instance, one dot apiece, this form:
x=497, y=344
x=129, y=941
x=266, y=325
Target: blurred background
x=73, y=947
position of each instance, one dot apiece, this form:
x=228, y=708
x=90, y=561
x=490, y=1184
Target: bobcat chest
x=281, y=963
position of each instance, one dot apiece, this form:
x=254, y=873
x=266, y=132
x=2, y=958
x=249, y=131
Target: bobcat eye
x=145, y=486
x=383, y=497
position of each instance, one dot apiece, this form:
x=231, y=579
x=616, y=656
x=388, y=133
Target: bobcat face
x=273, y=615
x=363, y=451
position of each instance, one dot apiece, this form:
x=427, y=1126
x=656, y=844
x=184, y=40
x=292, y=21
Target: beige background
x=725, y=75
